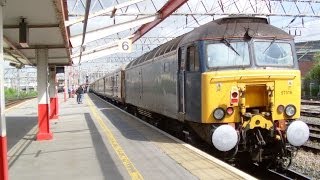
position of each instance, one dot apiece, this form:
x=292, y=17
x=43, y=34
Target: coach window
x=192, y=59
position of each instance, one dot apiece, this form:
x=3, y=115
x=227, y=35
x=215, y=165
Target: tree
x=315, y=71
x=313, y=78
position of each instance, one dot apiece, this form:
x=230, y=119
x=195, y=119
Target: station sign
x=125, y=45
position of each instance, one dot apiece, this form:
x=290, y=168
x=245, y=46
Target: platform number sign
x=125, y=45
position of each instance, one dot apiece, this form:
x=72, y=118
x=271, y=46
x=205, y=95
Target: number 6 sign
x=125, y=45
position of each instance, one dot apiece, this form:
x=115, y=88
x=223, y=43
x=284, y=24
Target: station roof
x=45, y=22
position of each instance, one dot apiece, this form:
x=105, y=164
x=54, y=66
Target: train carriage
x=110, y=86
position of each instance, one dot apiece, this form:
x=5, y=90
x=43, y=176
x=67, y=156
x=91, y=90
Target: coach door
x=181, y=82
x=141, y=84
x=114, y=84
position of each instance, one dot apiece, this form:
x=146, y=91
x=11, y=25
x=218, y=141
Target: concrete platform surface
x=94, y=140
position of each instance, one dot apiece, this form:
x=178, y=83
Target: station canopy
x=100, y=28
x=35, y=24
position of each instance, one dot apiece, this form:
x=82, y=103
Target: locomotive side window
x=192, y=59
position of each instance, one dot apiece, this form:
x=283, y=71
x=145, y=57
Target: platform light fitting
x=16, y=65
x=23, y=33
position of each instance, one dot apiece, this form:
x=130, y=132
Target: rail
x=310, y=108
x=12, y=102
x=309, y=102
x=314, y=138
x=288, y=174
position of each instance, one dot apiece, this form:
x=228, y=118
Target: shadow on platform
x=18, y=128
x=107, y=165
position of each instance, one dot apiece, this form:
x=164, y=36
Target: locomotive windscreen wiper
x=227, y=43
x=274, y=39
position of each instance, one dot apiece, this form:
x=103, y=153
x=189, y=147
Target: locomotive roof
x=162, y=49
x=236, y=27
x=229, y=28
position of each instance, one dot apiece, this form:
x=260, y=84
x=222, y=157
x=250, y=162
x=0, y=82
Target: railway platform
x=95, y=140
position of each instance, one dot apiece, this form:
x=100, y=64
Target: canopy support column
x=3, y=131
x=53, y=93
x=42, y=88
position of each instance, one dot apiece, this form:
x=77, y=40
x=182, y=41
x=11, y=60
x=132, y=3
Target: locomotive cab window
x=228, y=54
x=273, y=53
x=192, y=59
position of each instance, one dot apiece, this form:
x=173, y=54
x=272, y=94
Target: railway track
x=314, y=137
x=309, y=113
x=10, y=103
x=266, y=174
x=287, y=174
x=310, y=108
x=314, y=130
x=313, y=144
x=311, y=148
x=308, y=102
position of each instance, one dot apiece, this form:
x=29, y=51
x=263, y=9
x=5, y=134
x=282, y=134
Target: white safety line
x=132, y=170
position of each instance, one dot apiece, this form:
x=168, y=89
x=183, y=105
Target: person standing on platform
x=79, y=94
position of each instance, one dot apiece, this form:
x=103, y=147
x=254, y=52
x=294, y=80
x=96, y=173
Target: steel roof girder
x=100, y=48
x=16, y=50
x=164, y=12
x=96, y=49
x=104, y=11
x=96, y=55
x=109, y=30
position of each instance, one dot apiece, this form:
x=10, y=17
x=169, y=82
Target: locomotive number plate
x=286, y=92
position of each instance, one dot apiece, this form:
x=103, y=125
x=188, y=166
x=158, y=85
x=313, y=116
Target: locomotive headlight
x=219, y=114
x=224, y=138
x=297, y=133
x=290, y=110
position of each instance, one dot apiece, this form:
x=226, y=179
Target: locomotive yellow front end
x=239, y=96
x=253, y=102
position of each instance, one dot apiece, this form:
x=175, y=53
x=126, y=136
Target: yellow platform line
x=133, y=172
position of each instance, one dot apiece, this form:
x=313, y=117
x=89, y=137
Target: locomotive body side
x=152, y=85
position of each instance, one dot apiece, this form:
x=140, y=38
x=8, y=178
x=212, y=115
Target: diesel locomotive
x=234, y=81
